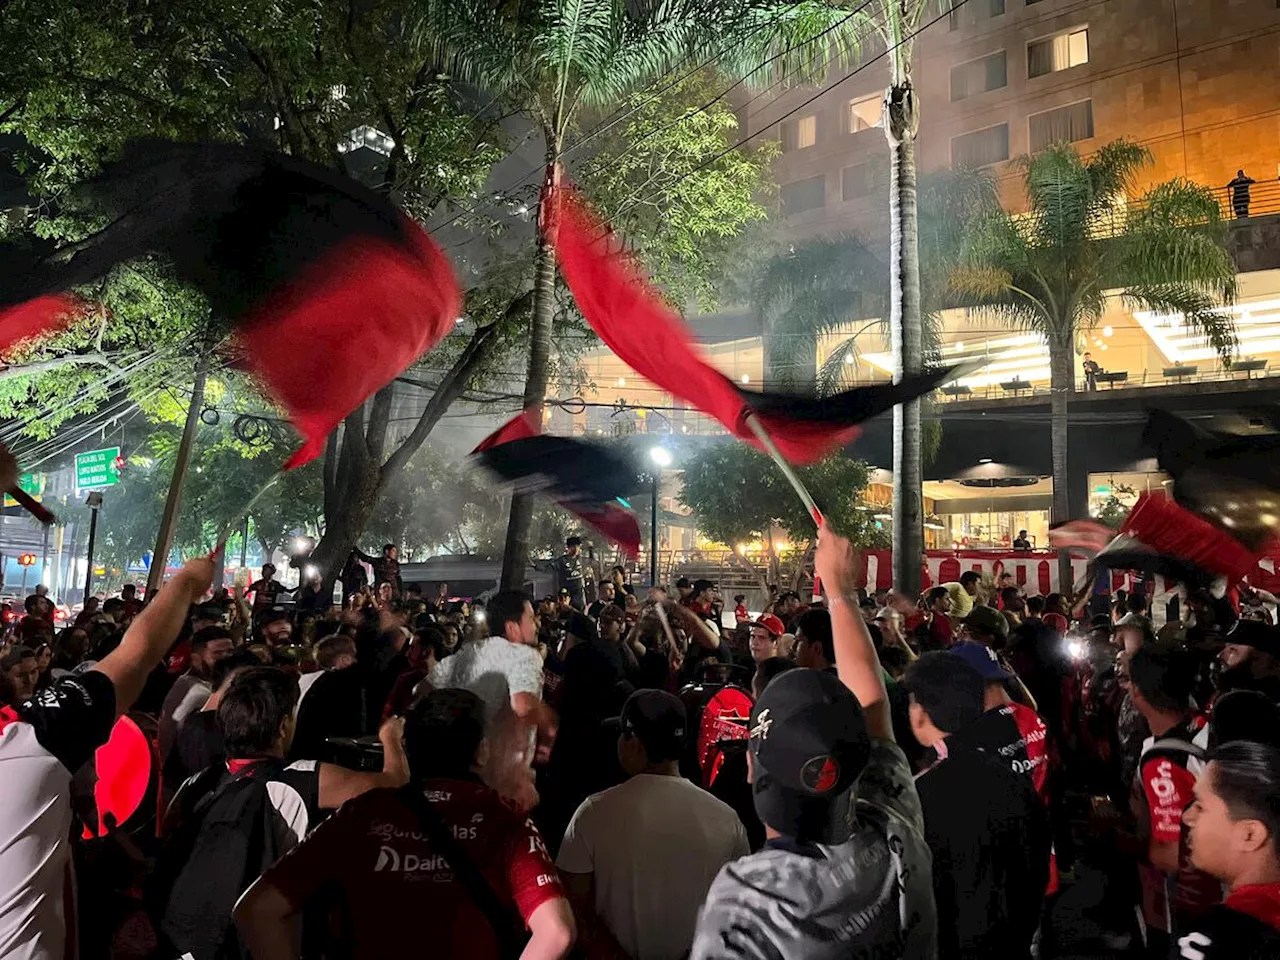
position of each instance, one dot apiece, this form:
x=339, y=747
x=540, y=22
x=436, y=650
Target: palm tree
x=895, y=24
x=556, y=61
x=1052, y=270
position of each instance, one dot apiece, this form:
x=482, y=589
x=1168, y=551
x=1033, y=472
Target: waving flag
x=330, y=290
x=634, y=322
x=583, y=477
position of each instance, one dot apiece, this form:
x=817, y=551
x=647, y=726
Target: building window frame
x=962, y=17
x=849, y=114
x=1093, y=125
x=1059, y=35
x=951, y=80
x=798, y=133
x=970, y=133
x=782, y=203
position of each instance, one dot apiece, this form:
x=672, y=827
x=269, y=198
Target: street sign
x=30, y=483
x=97, y=468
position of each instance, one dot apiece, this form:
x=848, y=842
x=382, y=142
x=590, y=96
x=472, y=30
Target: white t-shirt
x=654, y=844
x=187, y=695
x=42, y=742
x=493, y=670
x=304, y=684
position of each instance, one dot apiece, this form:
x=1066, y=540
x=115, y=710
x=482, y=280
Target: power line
x=825, y=90
x=600, y=128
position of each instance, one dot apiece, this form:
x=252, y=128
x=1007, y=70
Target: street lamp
x=94, y=503
x=661, y=458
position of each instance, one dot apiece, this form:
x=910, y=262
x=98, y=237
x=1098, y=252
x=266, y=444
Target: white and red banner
x=1036, y=571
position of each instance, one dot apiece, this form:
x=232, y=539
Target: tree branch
x=451, y=387
x=379, y=419
x=44, y=366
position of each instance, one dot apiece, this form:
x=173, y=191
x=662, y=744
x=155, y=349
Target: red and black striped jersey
x=1016, y=735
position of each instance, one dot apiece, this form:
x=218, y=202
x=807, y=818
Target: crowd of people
x=613, y=772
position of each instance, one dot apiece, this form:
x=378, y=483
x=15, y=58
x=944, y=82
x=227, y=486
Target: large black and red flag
x=634, y=322
x=330, y=290
x=1218, y=518
x=586, y=478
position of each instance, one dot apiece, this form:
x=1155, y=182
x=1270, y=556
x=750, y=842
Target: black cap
x=581, y=626
x=809, y=744
x=573, y=542
x=208, y=611
x=1256, y=634
x=683, y=582
x=273, y=615
x=658, y=720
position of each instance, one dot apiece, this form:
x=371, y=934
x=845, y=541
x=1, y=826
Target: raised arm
x=856, y=660
x=153, y=631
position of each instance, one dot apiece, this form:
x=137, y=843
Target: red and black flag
x=1215, y=523
x=588, y=479
x=634, y=322
x=329, y=289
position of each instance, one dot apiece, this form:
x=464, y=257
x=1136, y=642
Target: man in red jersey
x=444, y=854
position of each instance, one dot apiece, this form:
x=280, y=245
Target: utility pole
x=94, y=502
x=169, y=518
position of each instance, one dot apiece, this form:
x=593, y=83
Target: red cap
x=772, y=624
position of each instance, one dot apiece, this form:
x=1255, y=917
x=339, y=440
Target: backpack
x=223, y=844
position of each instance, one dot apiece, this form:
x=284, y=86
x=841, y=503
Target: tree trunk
x=1061, y=386
x=515, y=553
x=173, y=502
x=907, y=335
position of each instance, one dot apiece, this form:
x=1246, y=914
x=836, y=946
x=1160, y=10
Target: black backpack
x=223, y=844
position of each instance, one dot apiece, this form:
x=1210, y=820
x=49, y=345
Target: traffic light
x=27, y=560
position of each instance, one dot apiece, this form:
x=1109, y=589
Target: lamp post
x=661, y=458
x=93, y=502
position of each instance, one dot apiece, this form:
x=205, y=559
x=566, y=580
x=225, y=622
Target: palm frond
x=1199, y=310
x=1060, y=195
x=577, y=40
x=1114, y=169
x=796, y=41
x=839, y=369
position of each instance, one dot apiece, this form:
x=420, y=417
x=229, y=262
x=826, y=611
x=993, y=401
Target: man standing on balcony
x=1239, y=188
x=1091, y=371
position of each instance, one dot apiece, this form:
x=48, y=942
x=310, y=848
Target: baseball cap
x=683, y=582
x=564, y=592
x=982, y=658
x=1256, y=634
x=273, y=615
x=658, y=720
x=809, y=745
x=772, y=624
x=988, y=620
x=573, y=542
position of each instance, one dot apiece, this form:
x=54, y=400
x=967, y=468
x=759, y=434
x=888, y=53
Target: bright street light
x=661, y=456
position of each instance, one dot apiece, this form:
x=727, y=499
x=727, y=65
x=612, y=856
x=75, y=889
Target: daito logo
x=392, y=861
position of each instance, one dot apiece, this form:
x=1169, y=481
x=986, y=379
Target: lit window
x=799, y=134
x=978, y=76
x=981, y=147
x=1061, y=52
x=864, y=113
x=1067, y=124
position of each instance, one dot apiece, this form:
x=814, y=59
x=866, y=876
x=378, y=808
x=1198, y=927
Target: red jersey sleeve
x=530, y=872
x=1169, y=788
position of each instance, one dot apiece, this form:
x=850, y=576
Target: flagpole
x=797, y=484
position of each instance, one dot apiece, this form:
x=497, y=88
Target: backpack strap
x=1174, y=745
x=511, y=938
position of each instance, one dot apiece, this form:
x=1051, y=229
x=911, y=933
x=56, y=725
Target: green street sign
x=97, y=468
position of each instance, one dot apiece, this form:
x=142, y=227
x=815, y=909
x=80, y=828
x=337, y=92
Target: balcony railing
x=1263, y=200
x=1172, y=375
